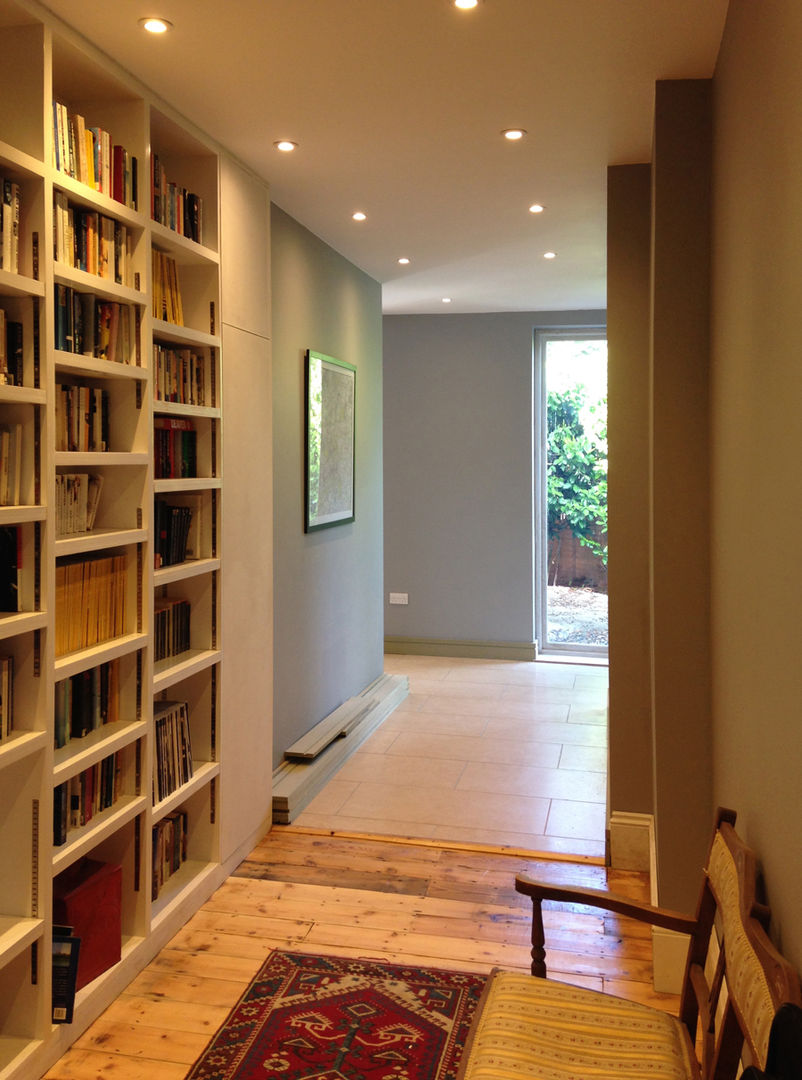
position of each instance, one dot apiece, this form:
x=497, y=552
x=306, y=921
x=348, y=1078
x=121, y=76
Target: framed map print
x=329, y=465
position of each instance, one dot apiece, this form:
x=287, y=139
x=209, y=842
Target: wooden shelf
x=19, y=515
x=176, y=668
x=181, y=571
x=20, y=744
x=12, y=284
x=82, y=840
x=16, y=935
x=73, y=663
x=80, y=754
x=98, y=539
x=202, y=773
x=187, y=483
x=21, y=623
x=79, y=364
x=84, y=282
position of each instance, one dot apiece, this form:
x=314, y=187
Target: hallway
x=482, y=751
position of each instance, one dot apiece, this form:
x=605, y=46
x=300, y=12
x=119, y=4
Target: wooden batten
x=319, y=753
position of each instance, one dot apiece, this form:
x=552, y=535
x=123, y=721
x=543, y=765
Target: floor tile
x=333, y=795
x=469, y=748
x=584, y=758
x=576, y=819
x=531, y=780
x=417, y=772
x=579, y=734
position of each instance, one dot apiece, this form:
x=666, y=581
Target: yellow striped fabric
x=746, y=979
x=535, y=1029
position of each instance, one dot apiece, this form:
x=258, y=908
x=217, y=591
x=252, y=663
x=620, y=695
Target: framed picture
x=329, y=466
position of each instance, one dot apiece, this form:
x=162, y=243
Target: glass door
x=571, y=490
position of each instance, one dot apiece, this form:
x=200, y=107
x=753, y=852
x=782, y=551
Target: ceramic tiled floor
x=486, y=751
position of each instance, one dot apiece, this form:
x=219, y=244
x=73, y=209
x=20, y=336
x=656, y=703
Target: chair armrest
x=621, y=905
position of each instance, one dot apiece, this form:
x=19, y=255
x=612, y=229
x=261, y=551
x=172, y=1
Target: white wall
x=328, y=584
x=756, y=411
x=458, y=473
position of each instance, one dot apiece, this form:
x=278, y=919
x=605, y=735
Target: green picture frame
x=330, y=441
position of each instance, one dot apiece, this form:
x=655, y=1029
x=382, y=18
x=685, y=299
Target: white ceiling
x=397, y=107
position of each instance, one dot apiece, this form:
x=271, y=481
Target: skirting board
x=295, y=783
x=472, y=650
x=631, y=840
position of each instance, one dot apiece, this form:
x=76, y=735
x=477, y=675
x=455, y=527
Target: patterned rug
x=328, y=1018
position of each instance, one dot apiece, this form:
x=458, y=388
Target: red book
x=87, y=896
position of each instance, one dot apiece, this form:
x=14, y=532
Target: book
x=172, y=525
x=88, y=897
x=172, y=748
x=6, y=696
x=169, y=851
x=86, y=701
x=175, y=447
x=66, y=952
x=171, y=627
x=90, y=601
x=10, y=569
x=10, y=463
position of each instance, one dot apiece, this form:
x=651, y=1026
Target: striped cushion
x=541, y=1030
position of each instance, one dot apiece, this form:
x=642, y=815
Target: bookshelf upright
x=110, y=511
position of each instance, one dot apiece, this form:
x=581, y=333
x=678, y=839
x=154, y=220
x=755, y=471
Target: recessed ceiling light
x=359, y=216
x=403, y=261
x=286, y=146
x=549, y=254
x=446, y=299
x=536, y=208
x=513, y=134
x=155, y=25
x=466, y=5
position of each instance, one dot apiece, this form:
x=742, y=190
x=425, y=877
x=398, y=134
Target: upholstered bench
x=735, y=982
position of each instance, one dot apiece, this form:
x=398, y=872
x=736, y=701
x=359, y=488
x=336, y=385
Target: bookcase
x=111, y=663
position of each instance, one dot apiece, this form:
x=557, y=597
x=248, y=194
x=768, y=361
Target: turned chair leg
x=538, y=940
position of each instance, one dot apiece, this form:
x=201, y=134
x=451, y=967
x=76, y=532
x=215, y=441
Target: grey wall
x=458, y=473
x=756, y=397
x=327, y=585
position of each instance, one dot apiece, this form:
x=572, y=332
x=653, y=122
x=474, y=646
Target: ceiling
x=397, y=107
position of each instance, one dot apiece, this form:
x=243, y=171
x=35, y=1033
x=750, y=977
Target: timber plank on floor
x=454, y=909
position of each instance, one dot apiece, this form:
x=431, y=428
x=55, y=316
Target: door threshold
x=590, y=659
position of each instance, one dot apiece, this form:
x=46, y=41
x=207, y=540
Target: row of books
x=82, y=418
x=89, y=241
x=89, y=155
x=90, y=326
x=87, y=701
x=77, y=498
x=90, y=601
x=10, y=568
x=6, y=696
x=174, y=206
x=78, y=800
x=166, y=291
x=171, y=627
x=171, y=525
x=169, y=848
x=11, y=355
x=180, y=375
x=172, y=748
x=175, y=448
x=10, y=464
x=9, y=225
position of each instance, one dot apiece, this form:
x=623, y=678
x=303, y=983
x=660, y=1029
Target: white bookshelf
x=44, y=61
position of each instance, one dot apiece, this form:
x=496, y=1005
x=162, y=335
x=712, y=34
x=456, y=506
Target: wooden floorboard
x=359, y=897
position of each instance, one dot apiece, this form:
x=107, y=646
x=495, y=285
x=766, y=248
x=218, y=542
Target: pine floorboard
x=412, y=902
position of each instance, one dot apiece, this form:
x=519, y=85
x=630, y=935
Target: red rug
x=328, y=1018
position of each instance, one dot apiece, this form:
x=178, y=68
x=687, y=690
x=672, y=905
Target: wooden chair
x=785, y=1048
x=735, y=982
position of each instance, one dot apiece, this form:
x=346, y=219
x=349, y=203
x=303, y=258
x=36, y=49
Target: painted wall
x=458, y=473
x=247, y=578
x=327, y=585
x=756, y=409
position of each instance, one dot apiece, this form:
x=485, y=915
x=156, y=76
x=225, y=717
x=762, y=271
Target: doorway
x=571, y=491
